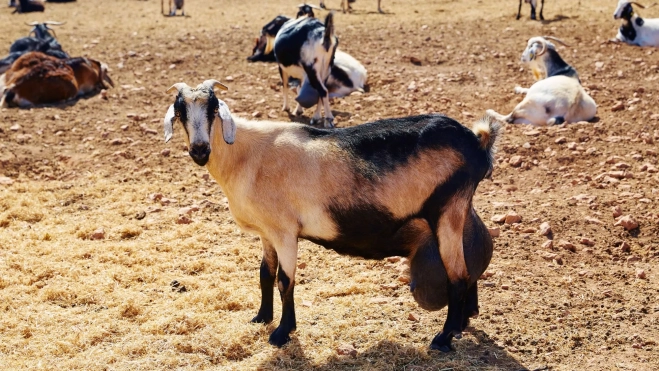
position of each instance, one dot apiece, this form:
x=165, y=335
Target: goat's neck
x=227, y=161
x=554, y=64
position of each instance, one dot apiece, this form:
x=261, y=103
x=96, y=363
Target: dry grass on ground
x=71, y=301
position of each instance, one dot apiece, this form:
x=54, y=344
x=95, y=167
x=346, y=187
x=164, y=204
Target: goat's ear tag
x=169, y=123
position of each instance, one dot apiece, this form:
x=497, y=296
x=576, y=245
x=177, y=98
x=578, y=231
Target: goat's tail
x=329, y=30
x=487, y=132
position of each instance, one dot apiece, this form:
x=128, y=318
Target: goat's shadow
x=476, y=351
x=557, y=18
x=64, y=104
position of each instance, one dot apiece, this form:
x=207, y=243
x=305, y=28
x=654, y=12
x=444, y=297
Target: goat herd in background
x=410, y=180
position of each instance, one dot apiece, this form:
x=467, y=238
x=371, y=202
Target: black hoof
x=441, y=348
x=279, y=338
x=442, y=343
x=518, y=16
x=533, y=16
x=261, y=319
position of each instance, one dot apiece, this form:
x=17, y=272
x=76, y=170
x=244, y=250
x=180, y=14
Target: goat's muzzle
x=200, y=152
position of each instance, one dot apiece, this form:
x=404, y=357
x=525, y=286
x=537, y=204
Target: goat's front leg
x=450, y=231
x=532, y=11
x=287, y=254
x=542, y=7
x=329, y=118
x=267, y=277
x=519, y=10
x=284, y=81
x=379, y=8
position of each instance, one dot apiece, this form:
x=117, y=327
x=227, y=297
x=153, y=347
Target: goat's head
x=198, y=109
x=42, y=30
x=537, y=46
x=625, y=11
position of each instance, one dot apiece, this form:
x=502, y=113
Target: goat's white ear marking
x=228, y=126
x=169, y=123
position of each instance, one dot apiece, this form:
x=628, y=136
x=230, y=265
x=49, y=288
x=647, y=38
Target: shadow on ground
x=472, y=353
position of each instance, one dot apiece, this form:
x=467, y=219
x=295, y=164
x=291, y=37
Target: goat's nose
x=200, y=153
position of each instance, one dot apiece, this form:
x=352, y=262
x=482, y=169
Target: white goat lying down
x=400, y=186
x=553, y=100
x=634, y=29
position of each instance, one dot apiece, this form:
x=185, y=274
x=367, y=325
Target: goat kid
x=534, y=4
x=305, y=49
x=28, y=6
x=391, y=187
x=543, y=58
x=634, y=29
x=36, y=78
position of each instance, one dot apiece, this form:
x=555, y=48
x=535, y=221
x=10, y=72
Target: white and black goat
x=557, y=97
x=634, y=29
x=394, y=187
x=305, y=49
x=534, y=5
x=543, y=58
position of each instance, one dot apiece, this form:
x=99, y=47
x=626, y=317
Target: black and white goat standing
x=534, y=4
x=634, y=29
x=394, y=187
x=305, y=49
x=543, y=58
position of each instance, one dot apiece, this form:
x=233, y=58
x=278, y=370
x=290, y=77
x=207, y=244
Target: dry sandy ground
x=69, y=301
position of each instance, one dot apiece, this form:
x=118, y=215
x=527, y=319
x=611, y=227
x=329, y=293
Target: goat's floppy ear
x=169, y=123
x=228, y=126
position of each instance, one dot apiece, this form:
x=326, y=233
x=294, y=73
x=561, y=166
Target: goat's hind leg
x=315, y=81
x=267, y=275
x=451, y=250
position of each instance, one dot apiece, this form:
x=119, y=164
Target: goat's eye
x=177, y=114
x=215, y=110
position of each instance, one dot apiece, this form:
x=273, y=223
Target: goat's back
x=293, y=35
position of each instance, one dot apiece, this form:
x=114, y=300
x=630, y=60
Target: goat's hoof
x=542, y=18
x=533, y=17
x=315, y=121
x=261, y=319
x=442, y=342
x=329, y=123
x=518, y=17
x=279, y=337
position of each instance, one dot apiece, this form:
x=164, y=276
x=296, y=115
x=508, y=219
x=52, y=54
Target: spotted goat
x=634, y=29
x=394, y=187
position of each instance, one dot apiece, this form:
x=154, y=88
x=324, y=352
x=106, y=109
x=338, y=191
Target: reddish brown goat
x=36, y=78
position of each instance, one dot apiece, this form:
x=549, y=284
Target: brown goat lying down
x=36, y=78
x=394, y=187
